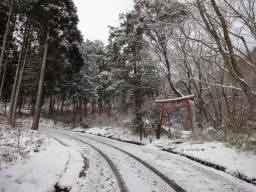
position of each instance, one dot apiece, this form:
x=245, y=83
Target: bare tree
x=159, y=22
x=225, y=46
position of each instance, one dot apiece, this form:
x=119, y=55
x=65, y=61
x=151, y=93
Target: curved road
x=140, y=168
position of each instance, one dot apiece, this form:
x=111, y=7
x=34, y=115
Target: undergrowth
x=241, y=141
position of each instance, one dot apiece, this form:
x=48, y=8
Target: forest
x=162, y=49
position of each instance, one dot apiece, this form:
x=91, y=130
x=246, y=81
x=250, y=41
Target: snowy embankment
x=236, y=162
x=218, y=155
x=30, y=161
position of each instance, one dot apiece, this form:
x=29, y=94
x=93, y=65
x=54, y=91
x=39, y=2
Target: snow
x=51, y=158
x=175, y=99
x=192, y=176
x=123, y=133
x=214, y=152
x=39, y=173
x=218, y=153
x=36, y=168
x=98, y=176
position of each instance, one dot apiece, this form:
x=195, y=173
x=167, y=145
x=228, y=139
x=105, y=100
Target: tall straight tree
x=6, y=34
x=60, y=24
x=40, y=87
x=17, y=92
x=25, y=36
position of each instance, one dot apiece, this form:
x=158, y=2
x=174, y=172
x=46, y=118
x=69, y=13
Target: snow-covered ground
x=235, y=161
x=47, y=159
x=45, y=163
x=38, y=163
x=191, y=176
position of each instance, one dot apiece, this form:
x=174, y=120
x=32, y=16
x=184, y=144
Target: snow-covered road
x=144, y=168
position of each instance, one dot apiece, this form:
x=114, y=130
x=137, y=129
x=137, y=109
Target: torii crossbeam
x=173, y=105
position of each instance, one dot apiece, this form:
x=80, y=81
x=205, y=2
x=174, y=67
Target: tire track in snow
x=168, y=181
x=210, y=174
x=57, y=186
x=121, y=184
x=198, y=160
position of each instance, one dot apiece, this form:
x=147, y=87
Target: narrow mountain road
x=140, y=168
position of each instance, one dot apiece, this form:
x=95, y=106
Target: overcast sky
x=96, y=15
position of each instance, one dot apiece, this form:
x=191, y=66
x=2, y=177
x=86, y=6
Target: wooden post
x=169, y=121
x=161, y=120
x=189, y=116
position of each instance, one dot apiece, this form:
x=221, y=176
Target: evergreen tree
x=134, y=67
x=6, y=34
x=59, y=24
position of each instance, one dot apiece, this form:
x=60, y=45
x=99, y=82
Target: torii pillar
x=173, y=103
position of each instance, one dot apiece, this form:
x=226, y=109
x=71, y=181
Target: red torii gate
x=173, y=103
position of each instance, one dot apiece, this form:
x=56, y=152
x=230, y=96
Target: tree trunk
x=62, y=106
x=54, y=113
x=3, y=78
x=20, y=105
x=50, y=107
x=85, y=109
x=176, y=91
x=74, y=112
x=162, y=47
x=32, y=108
x=93, y=106
x=138, y=112
x=80, y=110
x=16, y=98
x=5, y=106
x=100, y=106
x=109, y=106
x=16, y=75
x=6, y=35
x=40, y=87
